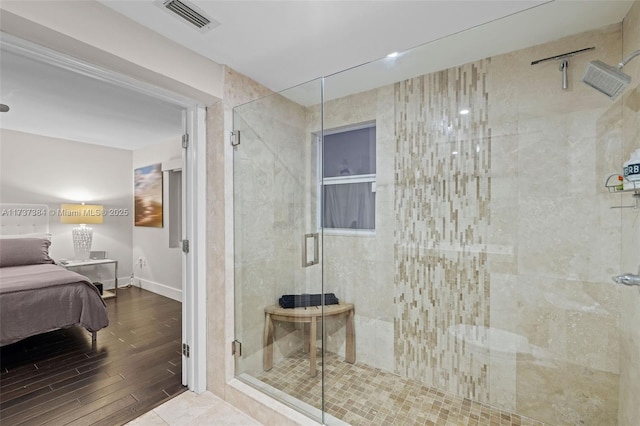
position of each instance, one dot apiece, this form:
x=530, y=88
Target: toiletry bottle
x=631, y=171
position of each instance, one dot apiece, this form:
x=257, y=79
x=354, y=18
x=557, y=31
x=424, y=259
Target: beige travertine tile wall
x=238, y=89
x=358, y=269
x=629, y=409
x=553, y=292
x=528, y=320
x=220, y=266
x=269, y=202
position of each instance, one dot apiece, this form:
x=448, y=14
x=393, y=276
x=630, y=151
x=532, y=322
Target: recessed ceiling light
x=464, y=111
x=454, y=153
x=393, y=55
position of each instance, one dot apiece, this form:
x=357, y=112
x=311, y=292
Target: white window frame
x=341, y=180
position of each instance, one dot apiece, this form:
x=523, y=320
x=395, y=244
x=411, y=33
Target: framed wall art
x=148, y=196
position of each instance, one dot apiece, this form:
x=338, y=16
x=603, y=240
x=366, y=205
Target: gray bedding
x=35, y=299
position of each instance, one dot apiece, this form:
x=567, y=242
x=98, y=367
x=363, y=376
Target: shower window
x=349, y=179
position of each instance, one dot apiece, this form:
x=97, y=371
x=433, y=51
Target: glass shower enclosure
x=461, y=218
x=277, y=239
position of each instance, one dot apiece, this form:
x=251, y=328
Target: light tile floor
x=190, y=409
x=362, y=395
x=358, y=394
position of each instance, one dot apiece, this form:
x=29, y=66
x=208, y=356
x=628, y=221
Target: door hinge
x=185, y=140
x=185, y=246
x=236, y=348
x=185, y=350
x=235, y=138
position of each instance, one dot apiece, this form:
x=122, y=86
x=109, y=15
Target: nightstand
x=77, y=264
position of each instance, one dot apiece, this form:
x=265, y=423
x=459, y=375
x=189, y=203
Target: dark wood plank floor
x=57, y=378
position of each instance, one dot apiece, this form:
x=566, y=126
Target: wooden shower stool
x=309, y=317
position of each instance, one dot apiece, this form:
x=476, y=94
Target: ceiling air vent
x=190, y=13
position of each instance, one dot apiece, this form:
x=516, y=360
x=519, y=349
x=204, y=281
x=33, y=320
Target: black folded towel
x=304, y=300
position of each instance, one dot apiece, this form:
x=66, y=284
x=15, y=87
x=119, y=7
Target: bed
x=37, y=295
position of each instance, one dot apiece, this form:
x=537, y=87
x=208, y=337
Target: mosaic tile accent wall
x=442, y=194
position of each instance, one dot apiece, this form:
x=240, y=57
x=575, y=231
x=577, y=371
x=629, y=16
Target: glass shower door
x=278, y=244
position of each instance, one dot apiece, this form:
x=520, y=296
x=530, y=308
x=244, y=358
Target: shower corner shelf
x=613, y=185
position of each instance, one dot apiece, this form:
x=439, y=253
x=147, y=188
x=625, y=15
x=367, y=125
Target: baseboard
x=161, y=289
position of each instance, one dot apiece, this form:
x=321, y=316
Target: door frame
x=194, y=211
x=194, y=285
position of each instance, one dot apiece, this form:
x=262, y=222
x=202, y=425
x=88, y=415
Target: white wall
x=42, y=170
x=161, y=271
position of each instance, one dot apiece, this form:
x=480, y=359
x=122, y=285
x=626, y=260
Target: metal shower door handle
x=316, y=250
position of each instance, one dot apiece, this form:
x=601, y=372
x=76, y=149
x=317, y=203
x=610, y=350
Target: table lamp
x=81, y=214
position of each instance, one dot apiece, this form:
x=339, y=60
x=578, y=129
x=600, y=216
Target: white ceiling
x=48, y=100
x=284, y=43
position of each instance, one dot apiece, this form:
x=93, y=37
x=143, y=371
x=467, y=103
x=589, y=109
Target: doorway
x=191, y=156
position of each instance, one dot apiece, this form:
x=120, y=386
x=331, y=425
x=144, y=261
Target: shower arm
x=628, y=279
x=626, y=60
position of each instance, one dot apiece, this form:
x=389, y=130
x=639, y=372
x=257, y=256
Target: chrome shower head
x=605, y=79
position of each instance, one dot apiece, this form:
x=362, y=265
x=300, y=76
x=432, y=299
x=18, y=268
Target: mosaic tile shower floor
x=365, y=396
